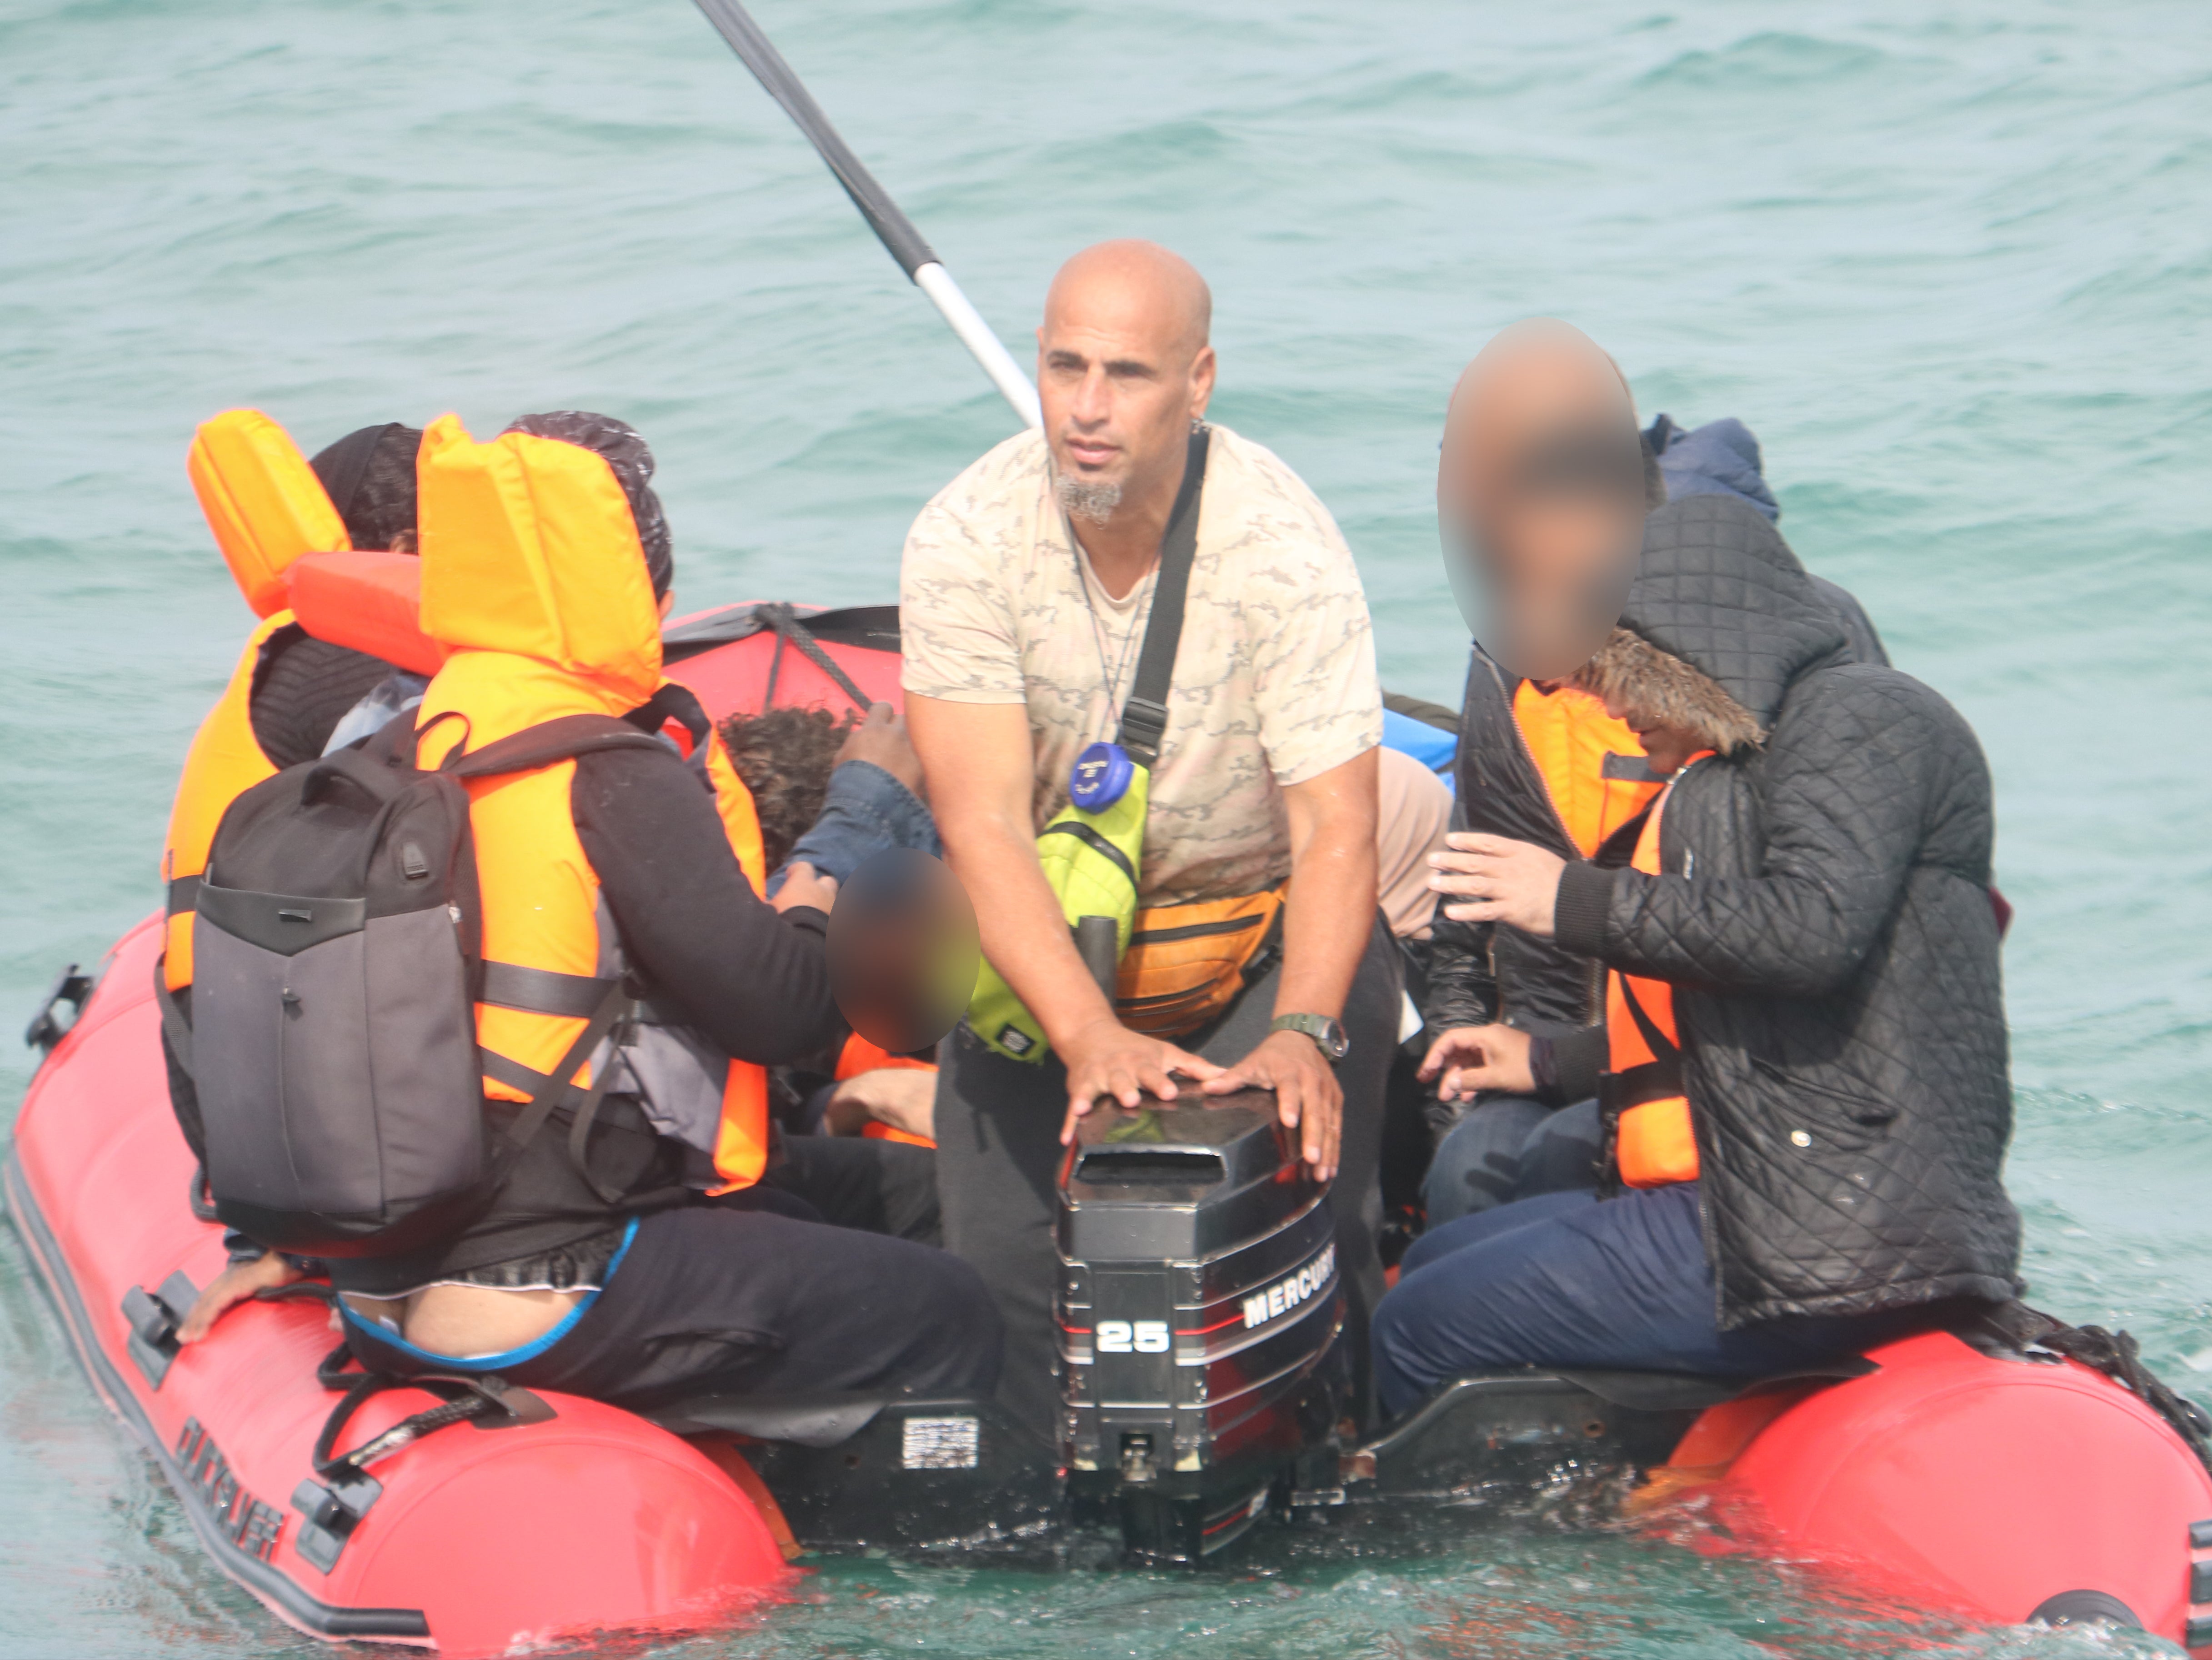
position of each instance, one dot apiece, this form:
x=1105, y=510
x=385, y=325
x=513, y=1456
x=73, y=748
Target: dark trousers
x=1508, y=1147
x=999, y=1152
x=1568, y=1280
x=714, y=1299
x=855, y=1182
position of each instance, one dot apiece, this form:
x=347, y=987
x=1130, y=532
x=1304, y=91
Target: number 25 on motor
x=1142, y=1337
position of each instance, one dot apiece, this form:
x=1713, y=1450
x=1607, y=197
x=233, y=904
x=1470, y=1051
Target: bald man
x=1024, y=594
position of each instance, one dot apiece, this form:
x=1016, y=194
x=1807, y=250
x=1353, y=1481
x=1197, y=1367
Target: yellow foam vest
x=532, y=575
x=1578, y=748
x=266, y=507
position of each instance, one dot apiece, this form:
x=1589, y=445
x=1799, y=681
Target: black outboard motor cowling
x=1199, y=1307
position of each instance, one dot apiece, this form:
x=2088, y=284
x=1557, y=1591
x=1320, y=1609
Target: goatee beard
x=1092, y=501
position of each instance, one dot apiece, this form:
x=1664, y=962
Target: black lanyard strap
x=1145, y=716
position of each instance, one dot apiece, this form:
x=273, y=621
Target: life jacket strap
x=1655, y=1080
x=1663, y=1048
x=543, y=991
x=549, y=1091
x=1091, y=839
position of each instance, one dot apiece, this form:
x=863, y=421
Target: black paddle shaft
x=735, y=26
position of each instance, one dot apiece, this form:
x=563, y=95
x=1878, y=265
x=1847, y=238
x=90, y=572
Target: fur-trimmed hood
x=1720, y=620
x=1629, y=672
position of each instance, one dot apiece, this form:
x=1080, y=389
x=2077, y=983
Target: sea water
x=1952, y=262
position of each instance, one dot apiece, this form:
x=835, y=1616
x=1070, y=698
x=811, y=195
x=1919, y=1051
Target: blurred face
x=1540, y=494
x=1123, y=369
x=903, y=950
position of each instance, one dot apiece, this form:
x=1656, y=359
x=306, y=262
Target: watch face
x=1328, y=1036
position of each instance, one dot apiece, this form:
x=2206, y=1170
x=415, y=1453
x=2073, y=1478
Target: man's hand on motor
x=805, y=885
x=1107, y=1058
x=881, y=739
x=234, y=1286
x=1474, y=1058
x=1515, y=883
x=1307, y=1093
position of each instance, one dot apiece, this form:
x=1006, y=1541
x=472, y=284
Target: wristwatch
x=1328, y=1034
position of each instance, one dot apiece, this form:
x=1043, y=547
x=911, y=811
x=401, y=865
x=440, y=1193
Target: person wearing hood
x=1518, y=1025
x=1808, y=1094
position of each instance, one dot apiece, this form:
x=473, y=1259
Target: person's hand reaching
x=805, y=885
x=881, y=739
x=1475, y=1058
x=234, y=1286
x=1497, y=880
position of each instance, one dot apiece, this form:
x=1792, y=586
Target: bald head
x=1152, y=289
x=1541, y=495
x=1124, y=369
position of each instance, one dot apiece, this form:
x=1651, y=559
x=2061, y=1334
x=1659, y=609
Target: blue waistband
x=529, y=1351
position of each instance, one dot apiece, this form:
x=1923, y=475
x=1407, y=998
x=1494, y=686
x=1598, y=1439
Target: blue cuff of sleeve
x=866, y=811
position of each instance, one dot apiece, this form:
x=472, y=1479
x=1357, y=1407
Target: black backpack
x=336, y=964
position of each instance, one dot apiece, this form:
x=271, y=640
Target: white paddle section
x=899, y=237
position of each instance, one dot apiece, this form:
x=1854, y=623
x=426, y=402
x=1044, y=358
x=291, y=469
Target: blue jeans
x=1568, y=1280
x=1510, y=1147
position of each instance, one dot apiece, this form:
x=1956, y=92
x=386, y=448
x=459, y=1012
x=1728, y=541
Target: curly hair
x=786, y=757
x=369, y=475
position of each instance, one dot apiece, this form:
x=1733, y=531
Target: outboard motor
x=1199, y=1307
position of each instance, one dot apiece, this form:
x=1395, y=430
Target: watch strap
x=1328, y=1035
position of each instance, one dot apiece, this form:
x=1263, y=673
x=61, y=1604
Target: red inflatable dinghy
x=480, y=1538
x=1998, y=1484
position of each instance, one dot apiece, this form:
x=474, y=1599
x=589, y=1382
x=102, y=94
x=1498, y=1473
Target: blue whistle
x=1100, y=776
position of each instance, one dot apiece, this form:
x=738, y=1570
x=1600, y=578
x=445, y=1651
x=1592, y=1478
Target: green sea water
x=1952, y=262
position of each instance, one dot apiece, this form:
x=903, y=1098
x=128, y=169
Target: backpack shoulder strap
x=1145, y=716
x=673, y=701
x=560, y=739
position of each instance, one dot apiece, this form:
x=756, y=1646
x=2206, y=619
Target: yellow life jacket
x=534, y=577
x=1592, y=764
x=266, y=507
x=1655, y=1140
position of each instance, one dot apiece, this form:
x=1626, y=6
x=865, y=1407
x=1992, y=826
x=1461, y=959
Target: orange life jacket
x=1592, y=764
x=1655, y=1140
x=859, y=1055
x=533, y=578
x=266, y=507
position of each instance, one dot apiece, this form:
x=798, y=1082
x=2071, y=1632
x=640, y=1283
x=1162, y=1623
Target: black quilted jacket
x=1478, y=973
x=1824, y=912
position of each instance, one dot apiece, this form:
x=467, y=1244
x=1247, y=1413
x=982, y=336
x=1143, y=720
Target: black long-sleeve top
x=754, y=982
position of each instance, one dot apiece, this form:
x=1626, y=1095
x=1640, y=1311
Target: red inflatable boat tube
x=765, y=668
x=479, y=1540
x=1997, y=1488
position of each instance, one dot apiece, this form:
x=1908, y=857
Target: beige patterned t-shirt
x=1274, y=680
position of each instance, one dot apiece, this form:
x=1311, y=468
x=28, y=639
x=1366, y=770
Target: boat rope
x=784, y=620
x=462, y=1400
x=2118, y=1357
